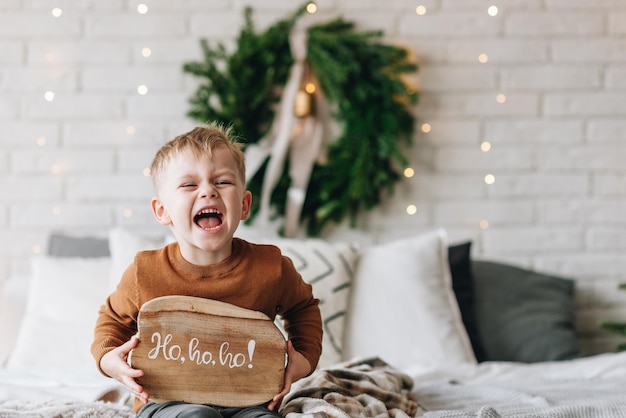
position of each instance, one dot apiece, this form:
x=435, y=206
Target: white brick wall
x=558, y=203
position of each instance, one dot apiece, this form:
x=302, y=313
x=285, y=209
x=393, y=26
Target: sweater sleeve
x=301, y=314
x=117, y=317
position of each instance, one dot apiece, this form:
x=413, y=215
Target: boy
x=199, y=181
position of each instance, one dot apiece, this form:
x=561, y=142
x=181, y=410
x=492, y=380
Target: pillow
x=61, y=310
x=124, y=244
x=61, y=245
x=403, y=309
x=463, y=286
x=329, y=268
x=523, y=315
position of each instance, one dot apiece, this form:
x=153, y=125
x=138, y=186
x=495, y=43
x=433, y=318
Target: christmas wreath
x=360, y=78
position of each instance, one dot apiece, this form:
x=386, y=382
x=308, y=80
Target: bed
x=485, y=340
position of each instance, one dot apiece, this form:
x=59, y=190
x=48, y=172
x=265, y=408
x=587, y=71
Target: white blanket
x=586, y=387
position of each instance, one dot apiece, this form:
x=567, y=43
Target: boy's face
x=203, y=201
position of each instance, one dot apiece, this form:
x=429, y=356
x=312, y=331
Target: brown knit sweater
x=256, y=277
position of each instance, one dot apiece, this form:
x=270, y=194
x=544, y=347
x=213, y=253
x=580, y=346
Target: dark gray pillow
x=62, y=245
x=459, y=258
x=523, y=315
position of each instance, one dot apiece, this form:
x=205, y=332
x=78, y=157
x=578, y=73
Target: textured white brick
x=609, y=185
x=83, y=5
x=24, y=134
x=172, y=51
x=473, y=159
x=448, y=24
x=453, y=79
x=157, y=105
x=584, y=265
x=581, y=158
x=539, y=185
x=472, y=213
x=571, y=211
x=585, y=103
x=30, y=189
x=113, y=133
x=616, y=22
x=446, y=132
x=558, y=23
x=73, y=107
x=589, y=50
x=128, y=79
x=60, y=215
x=134, y=161
x=532, y=131
x=533, y=240
x=552, y=77
x=455, y=105
x=38, y=79
x=151, y=25
x=12, y=52
x=80, y=51
x=62, y=161
x=606, y=239
x=28, y=25
x=606, y=130
x=102, y=188
x=499, y=50
x=8, y=107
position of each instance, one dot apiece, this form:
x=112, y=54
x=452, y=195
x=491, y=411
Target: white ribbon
x=305, y=136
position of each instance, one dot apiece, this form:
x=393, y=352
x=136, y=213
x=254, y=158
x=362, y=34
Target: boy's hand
x=297, y=368
x=115, y=364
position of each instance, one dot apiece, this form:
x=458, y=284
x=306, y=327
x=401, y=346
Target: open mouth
x=208, y=219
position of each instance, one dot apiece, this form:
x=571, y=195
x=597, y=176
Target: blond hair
x=201, y=141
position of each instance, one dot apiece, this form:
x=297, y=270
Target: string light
x=484, y=224
x=37, y=249
x=409, y=172
x=130, y=130
x=41, y=141
x=127, y=213
x=483, y=58
x=142, y=9
x=492, y=10
x=311, y=8
x=485, y=146
x=310, y=88
x=490, y=179
x=56, y=12
x=411, y=209
x=142, y=89
x=500, y=98
x=425, y=127
x=420, y=10
x=146, y=52
x=49, y=96
x=146, y=172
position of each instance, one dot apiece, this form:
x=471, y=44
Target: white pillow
x=403, y=308
x=61, y=310
x=329, y=268
x=124, y=244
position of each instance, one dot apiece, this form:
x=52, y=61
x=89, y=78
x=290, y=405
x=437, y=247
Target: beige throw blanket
x=362, y=388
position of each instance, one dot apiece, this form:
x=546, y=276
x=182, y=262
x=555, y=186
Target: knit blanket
x=362, y=388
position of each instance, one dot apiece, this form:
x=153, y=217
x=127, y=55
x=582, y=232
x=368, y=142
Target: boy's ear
x=159, y=212
x=246, y=204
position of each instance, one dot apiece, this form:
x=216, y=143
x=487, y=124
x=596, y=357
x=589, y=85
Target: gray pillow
x=523, y=315
x=62, y=245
